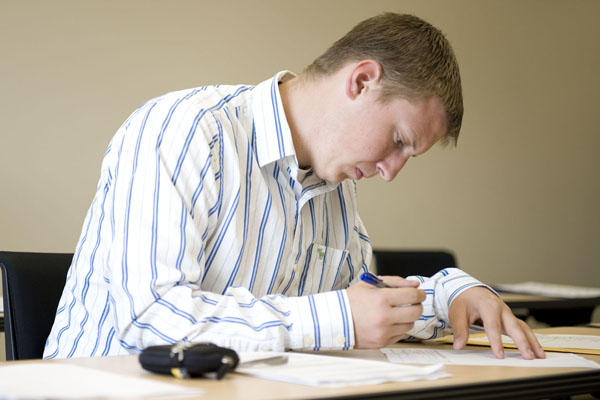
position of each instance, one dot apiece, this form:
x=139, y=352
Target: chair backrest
x=32, y=284
x=412, y=262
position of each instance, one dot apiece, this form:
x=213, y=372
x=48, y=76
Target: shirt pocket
x=324, y=269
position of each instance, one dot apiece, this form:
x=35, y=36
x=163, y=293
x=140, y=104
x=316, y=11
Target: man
x=228, y=213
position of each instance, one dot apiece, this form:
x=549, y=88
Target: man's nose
x=389, y=167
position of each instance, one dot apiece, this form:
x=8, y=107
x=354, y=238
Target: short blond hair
x=416, y=58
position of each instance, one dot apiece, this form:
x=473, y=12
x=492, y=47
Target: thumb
x=460, y=325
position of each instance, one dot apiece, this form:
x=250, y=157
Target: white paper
x=45, y=380
x=322, y=370
x=484, y=357
x=550, y=289
x=556, y=341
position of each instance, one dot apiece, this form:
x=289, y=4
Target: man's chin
x=334, y=180
x=339, y=179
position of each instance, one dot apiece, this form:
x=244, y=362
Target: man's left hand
x=480, y=303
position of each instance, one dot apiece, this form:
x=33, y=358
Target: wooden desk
x=466, y=382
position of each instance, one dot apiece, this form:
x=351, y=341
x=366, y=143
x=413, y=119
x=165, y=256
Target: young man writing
x=228, y=213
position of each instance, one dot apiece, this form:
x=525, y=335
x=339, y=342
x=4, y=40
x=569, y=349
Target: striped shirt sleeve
x=441, y=289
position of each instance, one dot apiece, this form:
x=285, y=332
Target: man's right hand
x=383, y=315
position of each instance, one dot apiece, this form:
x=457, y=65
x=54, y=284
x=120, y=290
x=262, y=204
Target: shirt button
x=308, y=340
x=265, y=347
x=340, y=339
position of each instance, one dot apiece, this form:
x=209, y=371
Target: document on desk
x=583, y=344
x=484, y=357
x=550, y=290
x=46, y=380
x=322, y=370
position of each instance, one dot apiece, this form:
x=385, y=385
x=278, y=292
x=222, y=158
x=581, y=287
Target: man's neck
x=304, y=104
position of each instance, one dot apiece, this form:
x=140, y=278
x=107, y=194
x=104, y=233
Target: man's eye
x=398, y=142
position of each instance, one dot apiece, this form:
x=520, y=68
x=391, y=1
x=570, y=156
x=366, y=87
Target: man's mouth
x=359, y=174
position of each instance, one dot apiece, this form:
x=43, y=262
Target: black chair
x=412, y=262
x=32, y=284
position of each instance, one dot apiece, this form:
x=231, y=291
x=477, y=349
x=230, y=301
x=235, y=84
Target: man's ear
x=365, y=75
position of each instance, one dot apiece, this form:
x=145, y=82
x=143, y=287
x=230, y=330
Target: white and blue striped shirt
x=203, y=227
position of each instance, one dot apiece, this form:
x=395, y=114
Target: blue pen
x=372, y=279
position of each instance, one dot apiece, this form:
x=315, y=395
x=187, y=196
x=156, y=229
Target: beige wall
x=517, y=199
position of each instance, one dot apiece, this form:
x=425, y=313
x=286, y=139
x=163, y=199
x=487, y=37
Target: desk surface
x=466, y=382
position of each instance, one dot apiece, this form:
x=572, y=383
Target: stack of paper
x=550, y=290
x=584, y=344
x=322, y=370
x=484, y=357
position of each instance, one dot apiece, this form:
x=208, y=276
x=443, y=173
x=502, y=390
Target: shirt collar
x=273, y=134
x=274, y=137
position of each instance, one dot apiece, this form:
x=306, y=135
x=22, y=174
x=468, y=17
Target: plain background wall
x=516, y=200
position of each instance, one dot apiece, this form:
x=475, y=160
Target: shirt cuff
x=452, y=283
x=321, y=321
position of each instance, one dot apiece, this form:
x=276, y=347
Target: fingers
x=399, y=282
x=383, y=315
x=493, y=330
x=485, y=305
x=479, y=302
x=460, y=325
x=535, y=344
x=405, y=314
x=523, y=336
x=515, y=331
x=394, y=296
x=397, y=297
